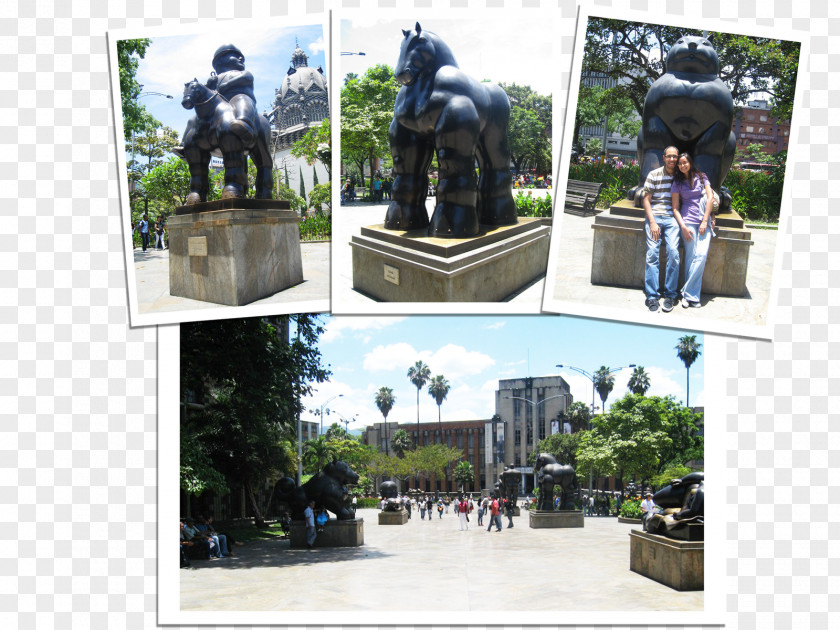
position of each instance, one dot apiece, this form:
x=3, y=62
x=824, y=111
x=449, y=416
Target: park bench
x=581, y=197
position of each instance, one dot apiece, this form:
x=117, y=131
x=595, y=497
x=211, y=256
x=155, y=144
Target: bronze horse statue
x=551, y=474
x=208, y=133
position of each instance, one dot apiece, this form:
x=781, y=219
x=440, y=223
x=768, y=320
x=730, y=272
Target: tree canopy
x=529, y=134
x=245, y=378
x=633, y=53
x=129, y=54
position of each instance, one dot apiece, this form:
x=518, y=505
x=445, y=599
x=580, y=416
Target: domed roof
x=301, y=80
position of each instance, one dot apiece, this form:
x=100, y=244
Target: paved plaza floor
x=348, y=221
x=152, y=272
x=573, y=266
x=432, y=565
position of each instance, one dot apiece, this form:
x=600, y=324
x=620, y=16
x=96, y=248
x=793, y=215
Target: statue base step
x=558, y=519
x=674, y=563
x=236, y=255
x=400, y=517
x=349, y=533
x=619, y=248
x=396, y=266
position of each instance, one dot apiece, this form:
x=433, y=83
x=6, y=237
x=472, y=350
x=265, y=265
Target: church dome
x=301, y=78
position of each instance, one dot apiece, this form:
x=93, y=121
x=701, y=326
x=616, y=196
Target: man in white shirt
x=309, y=517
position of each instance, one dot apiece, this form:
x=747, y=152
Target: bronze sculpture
x=441, y=109
x=227, y=125
x=682, y=504
x=327, y=488
x=509, y=482
x=551, y=474
x=388, y=489
x=689, y=107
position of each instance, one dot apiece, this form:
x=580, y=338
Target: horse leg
x=264, y=185
x=495, y=199
x=199, y=165
x=412, y=156
x=236, y=175
x=456, y=135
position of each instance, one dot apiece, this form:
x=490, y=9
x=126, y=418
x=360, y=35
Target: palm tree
x=401, y=442
x=578, y=415
x=318, y=453
x=438, y=389
x=464, y=475
x=688, y=350
x=639, y=381
x=419, y=374
x=385, y=400
x=603, y=381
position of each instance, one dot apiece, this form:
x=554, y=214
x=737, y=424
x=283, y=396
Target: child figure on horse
x=236, y=85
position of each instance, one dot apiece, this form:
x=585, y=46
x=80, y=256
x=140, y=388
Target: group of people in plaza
x=200, y=538
x=678, y=203
x=523, y=180
x=462, y=507
x=146, y=230
x=380, y=188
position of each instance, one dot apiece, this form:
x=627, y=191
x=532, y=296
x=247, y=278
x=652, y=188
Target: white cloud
x=495, y=325
x=452, y=361
x=336, y=326
x=391, y=357
x=317, y=46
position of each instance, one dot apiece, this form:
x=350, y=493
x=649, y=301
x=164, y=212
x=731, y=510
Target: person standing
x=661, y=223
x=482, y=507
x=495, y=516
x=509, y=509
x=144, y=231
x=463, y=509
x=309, y=518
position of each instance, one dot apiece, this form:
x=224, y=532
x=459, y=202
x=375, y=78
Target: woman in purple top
x=692, y=201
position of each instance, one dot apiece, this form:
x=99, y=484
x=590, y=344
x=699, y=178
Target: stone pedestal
x=397, y=266
x=619, y=248
x=400, y=517
x=348, y=533
x=234, y=251
x=556, y=519
x=675, y=563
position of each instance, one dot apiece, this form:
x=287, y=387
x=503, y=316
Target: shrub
x=316, y=228
x=529, y=206
x=362, y=502
x=631, y=508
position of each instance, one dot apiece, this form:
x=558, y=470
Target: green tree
x=639, y=381
x=603, y=381
x=439, y=389
x=385, y=400
x=593, y=146
x=563, y=446
x=464, y=475
x=318, y=453
x=315, y=145
x=633, y=54
x=401, y=442
x=149, y=149
x=248, y=379
x=129, y=54
x=529, y=134
x=168, y=183
x=688, y=349
x=367, y=108
x=597, y=105
x=578, y=415
x=302, y=184
x=320, y=196
x=419, y=374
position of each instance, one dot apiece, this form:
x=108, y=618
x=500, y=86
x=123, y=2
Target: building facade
x=754, y=125
x=300, y=103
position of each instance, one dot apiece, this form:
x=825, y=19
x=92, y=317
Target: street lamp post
x=592, y=379
x=534, y=406
x=321, y=430
x=346, y=421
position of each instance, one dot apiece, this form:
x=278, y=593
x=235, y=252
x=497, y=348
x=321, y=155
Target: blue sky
x=474, y=352
x=173, y=60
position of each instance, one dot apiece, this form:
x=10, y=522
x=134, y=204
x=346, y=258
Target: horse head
x=544, y=459
x=195, y=94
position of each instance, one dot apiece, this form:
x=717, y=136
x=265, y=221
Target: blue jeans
x=696, y=251
x=670, y=230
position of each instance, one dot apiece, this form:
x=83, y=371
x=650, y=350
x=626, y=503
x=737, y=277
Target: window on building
x=460, y=438
x=750, y=129
x=763, y=118
x=517, y=437
x=750, y=116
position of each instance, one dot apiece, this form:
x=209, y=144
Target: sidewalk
x=571, y=284
x=348, y=221
x=152, y=272
x=432, y=565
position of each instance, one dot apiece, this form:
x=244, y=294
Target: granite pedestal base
x=620, y=246
x=675, y=563
x=556, y=519
x=234, y=255
x=350, y=533
x=395, y=266
x=400, y=517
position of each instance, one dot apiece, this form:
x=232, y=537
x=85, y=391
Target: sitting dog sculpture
x=689, y=107
x=441, y=109
x=326, y=488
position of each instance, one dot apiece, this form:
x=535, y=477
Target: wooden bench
x=581, y=197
